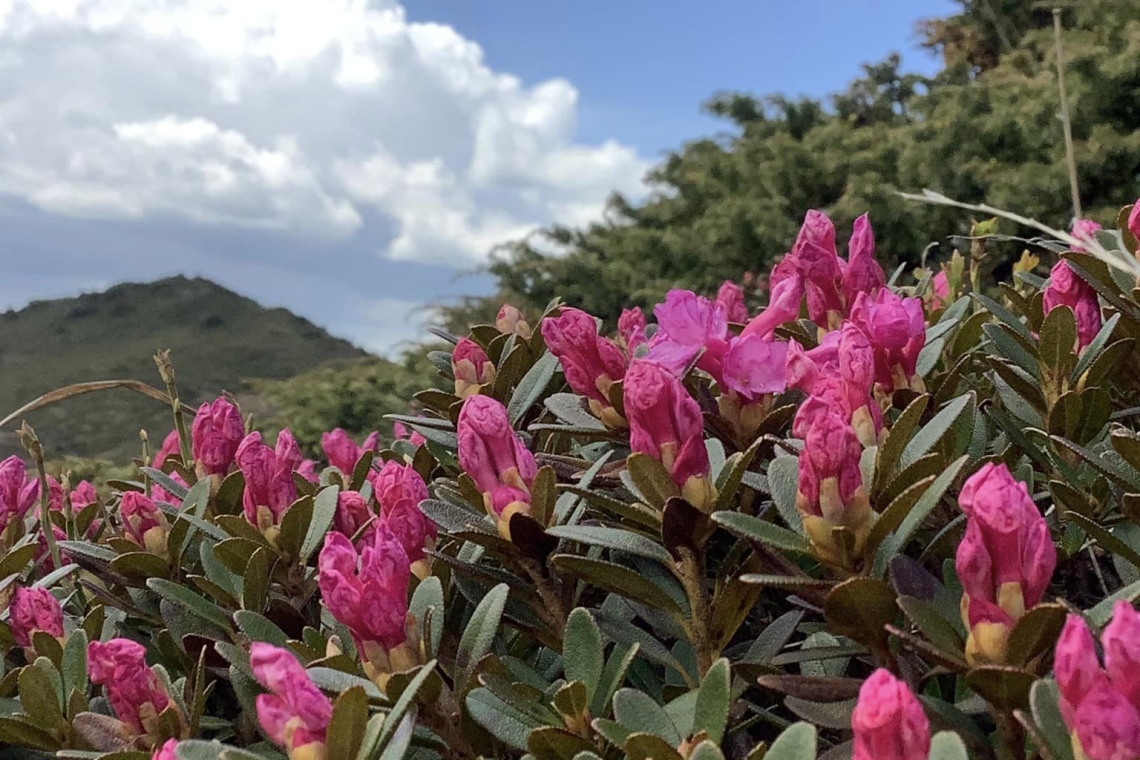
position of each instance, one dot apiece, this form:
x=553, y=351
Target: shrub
x=874, y=520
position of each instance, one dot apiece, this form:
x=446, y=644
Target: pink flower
x=401, y=432
x=666, y=424
x=1101, y=709
x=839, y=374
x=166, y=751
x=493, y=456
x=171, y=446
x=940, y=290
x=896, y=328
x=1066, y=288
x=32, y=610
x=1134, y=220
x=216, y=433
x=1084, y=229
x=1005, y=560
x=144, y=523
x=295, y=715
x=590, y=362
x=631, y=329
x=888, y=721
x=783, y=305
x=352, y=513
x=471, y=367
x=343, y=453
x=754, y=366
x=308, y=470
x=132, y=688
x=83, y=495
x=731, y=300
x=863, y=274
x=689, y=325
x=815, y=256
x=17, y=492
x=511, y=321
x=269, y=486
x=368, y=593
x=395, y=482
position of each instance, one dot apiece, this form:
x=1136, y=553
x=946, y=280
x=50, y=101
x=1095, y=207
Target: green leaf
x=582, y=650
x=706, y=750
x=479, y=634
x=397, y=748
x=617, y=579
x=191, y=602
x=1094, y=348
x=260, y=628
x=324, y=510
x=731, y=475
x=73, y=667
x=713, y=701
x=1006, y=316
x=429, y=596
x=762, y=531
x=255, y=584
x=1058, y=342
x=505, y=723
x=638, y=712
x=1044, y=701
x=404, y=702
x=531, y=386
x=39, y=698
x=895, y=543
x=613, y=676
x=645, y=746
x=947, y=745
x=783, y=483
x=933, y=432
x=937, y=630
x=553, y=743
x=860, y=608
x=22, y=733
x=652, y=480
x=349, y=718
x=613, y=538
x=797, y=742
x=888, y=453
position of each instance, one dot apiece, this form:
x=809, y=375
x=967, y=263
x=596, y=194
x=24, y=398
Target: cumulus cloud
x=309, y=117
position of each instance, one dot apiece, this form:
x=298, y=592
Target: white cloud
x=311, y=117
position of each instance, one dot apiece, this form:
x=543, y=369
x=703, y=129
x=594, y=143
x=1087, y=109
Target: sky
x=356, y=160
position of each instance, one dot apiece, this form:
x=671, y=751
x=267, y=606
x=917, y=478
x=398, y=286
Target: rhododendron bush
x=890, y=516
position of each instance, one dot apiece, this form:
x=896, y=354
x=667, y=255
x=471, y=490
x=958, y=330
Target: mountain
x=219, y=340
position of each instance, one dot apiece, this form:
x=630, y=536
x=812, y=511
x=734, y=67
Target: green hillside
x=218, y=340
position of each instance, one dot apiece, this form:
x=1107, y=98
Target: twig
x=1065, y=122
x=79, y=389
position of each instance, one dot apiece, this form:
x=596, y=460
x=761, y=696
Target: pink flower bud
x=939, y=295
x=343, y=453
x=166, y=751
x=590, y=362
x=215, y=435
x=171, y=447
x=294, y=714
x=815, y=256
x=401, y=432
x=1121, y=641
x=1134, y=220
x=143, y=523
x=1084, y=229
x=730, y=298
x=1075, y=666
x=631, y=328
x=397, y=482
x=32, y=610
x=83, y=495
x=471, y=367
x=132, y=688
x=863, y=274
x=17, y=492
x=367, y=592
x=411, y=528
x=269, y=486
x=1107, y=726
x=754, y=366
x=665, y=422
x=352, y=513
x=308, y=470
x=888, y=721
x=493, y=456
x=511, y=321
x=896, y=328
x=831, y=450
x=1066, y=288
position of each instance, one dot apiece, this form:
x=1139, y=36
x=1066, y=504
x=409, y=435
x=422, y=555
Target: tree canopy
x=984, y=129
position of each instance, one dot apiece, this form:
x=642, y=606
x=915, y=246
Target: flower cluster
x=131, y=687
x=269, y=486
x=295, y=715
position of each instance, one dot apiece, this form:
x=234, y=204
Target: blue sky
x=353, y=160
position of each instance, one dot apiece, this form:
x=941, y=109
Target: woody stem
x=692, y=575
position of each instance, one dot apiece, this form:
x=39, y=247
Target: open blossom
x=17, y=492
x=32, y=610
x=896, y=328
x=830, y=488
x=752, y=374
x=888, y=721
x=838, y=373
x=631, y=329
x=666, y=424
x=492, y=455
x=368, y=593
x=144, y=523
x=471, y=366
x=688, y=324
x=510, y=321
x=166, y=751
x=1005, y=560
x=1101, y=706
x=401, y=433
x=1084, y=229
x=787, y=291
x=590, y=362
x=295, y=715
x=132, y=688
x=1066, y=288
x=731, y=299
x=269, y=486
x=215, y=435
x=343, y=453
